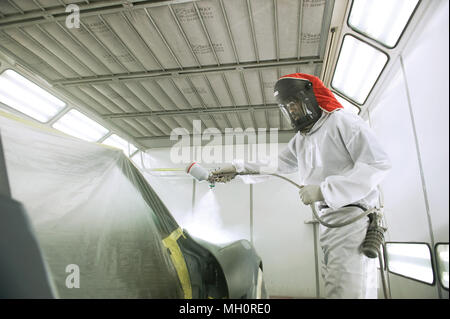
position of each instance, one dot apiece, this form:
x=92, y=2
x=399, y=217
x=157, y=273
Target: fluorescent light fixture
x=347, y=105
x=76, y=124
x=357, y=69
x=120, y=143
x=25, y=96
x=410, y=260
x=381, y=20
x=442, y=263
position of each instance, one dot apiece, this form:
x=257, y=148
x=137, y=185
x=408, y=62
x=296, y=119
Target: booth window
x=76, y=124
x=358, y=68
x=382, y=21
x=28, y=98
x=442, y=263
x=411, y=260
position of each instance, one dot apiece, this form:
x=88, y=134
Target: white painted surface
x=285, y=241
x=282, y=239
x=407, y=194
x=426, y=66
x=403, y=197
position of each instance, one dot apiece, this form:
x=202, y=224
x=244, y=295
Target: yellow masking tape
x=170, y=242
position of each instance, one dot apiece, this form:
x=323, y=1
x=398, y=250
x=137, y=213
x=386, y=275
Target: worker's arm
x=371, y=165
x=285, y=163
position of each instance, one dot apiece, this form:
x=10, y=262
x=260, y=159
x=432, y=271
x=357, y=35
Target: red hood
x=324, y=96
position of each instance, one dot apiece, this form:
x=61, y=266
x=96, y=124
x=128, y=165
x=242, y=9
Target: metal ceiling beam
x=180, y=28
x=15, y=6
x=216, y=99
x=116, y=36
x=163, y=39
x=277, y=41
x=284, y=136
x=91, y=33
x=252, y=26
x=263, y=93
x=326, y=22
x=196, y=111
x=300, y=22
x=25, y=65
x=205, y=30
x=63, y=48
x=86, y=10
x=171, y=73
x=47, y=51
x=85, y=49
x=199, y=97
x=227, y=23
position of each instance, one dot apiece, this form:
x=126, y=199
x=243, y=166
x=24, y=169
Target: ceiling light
x=383, y=20
x=358, y=67
x=76, y=124
x=25, y=96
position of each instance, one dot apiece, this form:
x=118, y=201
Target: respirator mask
x=297, y=102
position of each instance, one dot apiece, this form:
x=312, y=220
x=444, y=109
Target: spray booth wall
x=411, y=120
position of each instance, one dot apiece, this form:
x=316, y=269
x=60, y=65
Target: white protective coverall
x=342, y=155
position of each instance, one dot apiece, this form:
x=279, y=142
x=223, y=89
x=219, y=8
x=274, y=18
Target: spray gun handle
x=221, y=178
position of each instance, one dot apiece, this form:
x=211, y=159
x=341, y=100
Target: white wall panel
x=428, y=87
x=414, y=132
x=405, y=209
x=283, y=241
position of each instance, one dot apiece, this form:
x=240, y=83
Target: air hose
x=322, y=222
x=374, y=237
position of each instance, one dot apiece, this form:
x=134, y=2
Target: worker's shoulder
x=346, y=118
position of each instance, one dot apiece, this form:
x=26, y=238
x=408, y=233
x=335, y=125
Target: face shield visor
x=297, y=102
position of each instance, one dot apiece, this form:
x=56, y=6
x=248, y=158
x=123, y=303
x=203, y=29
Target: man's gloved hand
x=224, y=175
x=310, y=194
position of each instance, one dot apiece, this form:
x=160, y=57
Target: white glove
x=224, y=174
x=310, y=194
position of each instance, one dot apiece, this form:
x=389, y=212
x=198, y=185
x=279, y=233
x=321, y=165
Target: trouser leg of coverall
x=347, y=273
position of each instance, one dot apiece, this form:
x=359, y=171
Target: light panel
x=79, y=125
x=23, y=95
x=442, y=263
x=357, y=69
x=120, y=143
x=410, y=260
x=381, y=20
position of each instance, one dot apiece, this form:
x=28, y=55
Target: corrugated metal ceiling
x=149, y=67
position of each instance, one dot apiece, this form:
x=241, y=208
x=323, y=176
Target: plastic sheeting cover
x=90, y=208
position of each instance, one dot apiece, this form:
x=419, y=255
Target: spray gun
x=201, y=174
